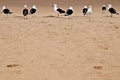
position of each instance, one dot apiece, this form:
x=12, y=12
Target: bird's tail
x=117, y=13
x=65, y=15
x=10, y=12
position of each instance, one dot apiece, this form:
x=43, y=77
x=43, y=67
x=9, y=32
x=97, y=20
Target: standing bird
x=104, y=8
x=6, y=11
x=89, y=10
x=112, y=10
x=25, y=11
x=85, y=9
x=69, y=11
x=58, y=10
x=33, y=10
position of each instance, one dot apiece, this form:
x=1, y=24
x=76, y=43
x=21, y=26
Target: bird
x=25, y=11
x=33, y=10
x=58, y=10
x=104, y=8
x=6, y=11
x=112, y=10
x=85, y=9
x=89, y=10
x=69, y=11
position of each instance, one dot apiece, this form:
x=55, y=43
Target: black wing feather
x=112, y=10
x=69, y=12
x=25, y=12
x=85, y=11
x=6, y=11
x=32, y=11
x=60, y=10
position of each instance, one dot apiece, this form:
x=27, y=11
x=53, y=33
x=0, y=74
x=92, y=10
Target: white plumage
x=89, y=10
x=58, y=10
x=109, y=6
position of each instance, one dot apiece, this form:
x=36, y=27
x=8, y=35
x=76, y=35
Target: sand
x=45, y=47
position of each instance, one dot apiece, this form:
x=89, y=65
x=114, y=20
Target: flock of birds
x=26, y=12
x=68, y=12
x=86, y=10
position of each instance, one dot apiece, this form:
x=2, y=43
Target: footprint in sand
x=94, y=39
x=116, y=27
x=67, y=33
x=111, y=22
x=103, y=47
x=18, y=72
x=51, y=25
x=69, y=29
x=97, y=67
x=12, y=65
x=44, y=22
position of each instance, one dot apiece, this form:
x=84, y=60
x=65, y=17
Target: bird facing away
x=58, y=10
x=25, y=11
x=89, y=10
x=33, y=10
x=6, y=11
x=104, y=8
x=85, y=9
x=69, y=11
x=112, y=10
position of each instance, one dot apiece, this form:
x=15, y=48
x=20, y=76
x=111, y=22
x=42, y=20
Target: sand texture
x=45, y=47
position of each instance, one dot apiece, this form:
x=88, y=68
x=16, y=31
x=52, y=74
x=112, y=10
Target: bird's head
x=25, y=6
x=54, y=5
x=71, y=8
x=3, y=8
x=34, y=7
x=109, y=6
x=103, y=5
x=90, y=6
x=85, y=6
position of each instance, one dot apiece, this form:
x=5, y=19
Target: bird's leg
x=90, y=15
x=103, y=12
x=111, y=15
x=58, y=15
x=7, y=15
x=33, y=15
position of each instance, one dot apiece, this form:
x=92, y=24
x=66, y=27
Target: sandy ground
x=45, y=47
